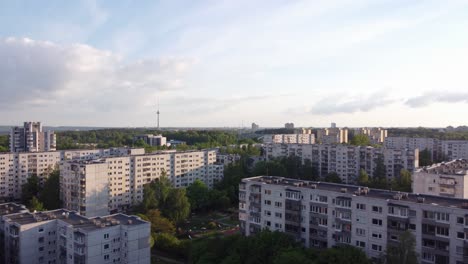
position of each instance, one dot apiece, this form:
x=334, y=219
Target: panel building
x=31, y=138
x=449, y=179
x=376, y=135
x=324, y=215
x=63, y=236
x=333, y=135
x=113, y=184
x=152, y=140
x=346, y=160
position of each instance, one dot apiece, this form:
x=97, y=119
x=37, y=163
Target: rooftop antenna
x=158, y=113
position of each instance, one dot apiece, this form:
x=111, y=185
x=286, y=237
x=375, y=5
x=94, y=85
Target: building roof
x=11, y=208
x=455, y=167
x=363, y=191
x=81, y=222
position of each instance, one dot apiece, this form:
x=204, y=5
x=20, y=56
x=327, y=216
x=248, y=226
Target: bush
x=212, y=225
x=170, y=244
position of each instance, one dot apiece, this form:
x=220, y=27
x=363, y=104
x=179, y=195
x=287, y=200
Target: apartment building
x=16, y=168
x=377, y=135
x=454, y=149
x=113, y=184
x=449, y=179
x=332, y=135
x=31, y=138
x=63, y=236
x=323, y=215
x=227, y=159
x=6, y=209
x=290, y=139
x=346, y=160
x=289, y=125
x=152, y=140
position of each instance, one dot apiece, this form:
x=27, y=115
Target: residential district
x=98, y=188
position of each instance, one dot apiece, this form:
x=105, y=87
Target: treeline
x=428, y=133
x=269, y=247
x=41, y=196
x=106, y=138
x=4, y=143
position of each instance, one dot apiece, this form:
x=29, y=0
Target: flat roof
x=11, y=208
x=73, y=218
x=458, y=167
x=354, y=190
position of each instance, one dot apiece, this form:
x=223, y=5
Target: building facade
x=63, y=236
x=323, y=215
x=113, y=184
x=16, y=168
x=346, y=160
x=332, y=135
x=31, y=138
x=290, y=139
x=449, y=179
x=376, y=135
x=152, y=140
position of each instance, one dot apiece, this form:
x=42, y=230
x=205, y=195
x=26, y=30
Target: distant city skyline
x=227, y=63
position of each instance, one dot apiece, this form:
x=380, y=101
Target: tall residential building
x=324, y=215
x=376, y=135
x=289, y=125
x=332, y=135
x=454, y=149
x=152, y=140
x=63, y=236
x=431, y=144
x=254, y=126
x=449, y=179
x=290, y=139
x=16, y=168
x=113, y=184
x=31, y=138
x=346, y=160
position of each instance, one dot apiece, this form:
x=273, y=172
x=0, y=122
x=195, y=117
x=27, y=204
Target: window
x=41, y=229
x=377, y=235
x=279, y=215
x=460, y=220
x=106, y=257
x=394, y=237
x=377, y=209
x=41, y=248
x=267, y=223
x=267, y=202
x=377, y=222
x=360, y=206
x=278, y=204
x=360, y=232
x=377, y=247
x=460, y=235
x=277, y=225
x=442, y=217
x=360, y=244
x=106, y=236
x=267, y=213
x=442, y=231
x=106, y=246
x=268, y=192
x=428, y=257
x=40, y=240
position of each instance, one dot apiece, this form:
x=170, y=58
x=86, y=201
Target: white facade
x=62, y=236
x=31, y=138
x=346, y=160
x=332, y=135
x=455, y=149
x=290, y=139
x=118, y=182
x=16, y=168
x=153, y=140
x=323, y=215
x=376, y=135
x=448, y=179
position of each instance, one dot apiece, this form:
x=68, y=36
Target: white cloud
x=41, y=73
x=437, y=97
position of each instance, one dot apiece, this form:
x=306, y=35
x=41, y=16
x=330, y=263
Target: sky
x=216, y=63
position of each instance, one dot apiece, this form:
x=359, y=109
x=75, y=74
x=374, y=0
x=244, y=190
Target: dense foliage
x=428, y=133
x=40, y=197
x=269, y=247
x=125, y=137
x=4, y=143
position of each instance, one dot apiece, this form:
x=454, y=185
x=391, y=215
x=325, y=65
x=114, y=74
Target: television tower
x=158, y=114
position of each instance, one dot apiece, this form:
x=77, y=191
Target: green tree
x=50, y=193
x=150, y=200
x=310, y=172
x=30, y=189
x=293, y=256
x=177, y=206
x=35, y=205
x=379, y=179
x=159, y=224
x=333, y=177
x=403, y=182
x=404, y=252
x=343, y=255
x=425, y=158
x=363, y=178
x=198, y=195
x=360, y=140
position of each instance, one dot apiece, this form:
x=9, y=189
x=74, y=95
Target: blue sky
x=224, y=63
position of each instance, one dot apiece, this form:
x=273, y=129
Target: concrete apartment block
x=152, y=140
x=332, y=135
x=63, y=236
x=449, y=179
x=376, y=135
x=324, y=215
x=31, y=138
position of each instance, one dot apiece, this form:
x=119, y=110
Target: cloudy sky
x=233, y=62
